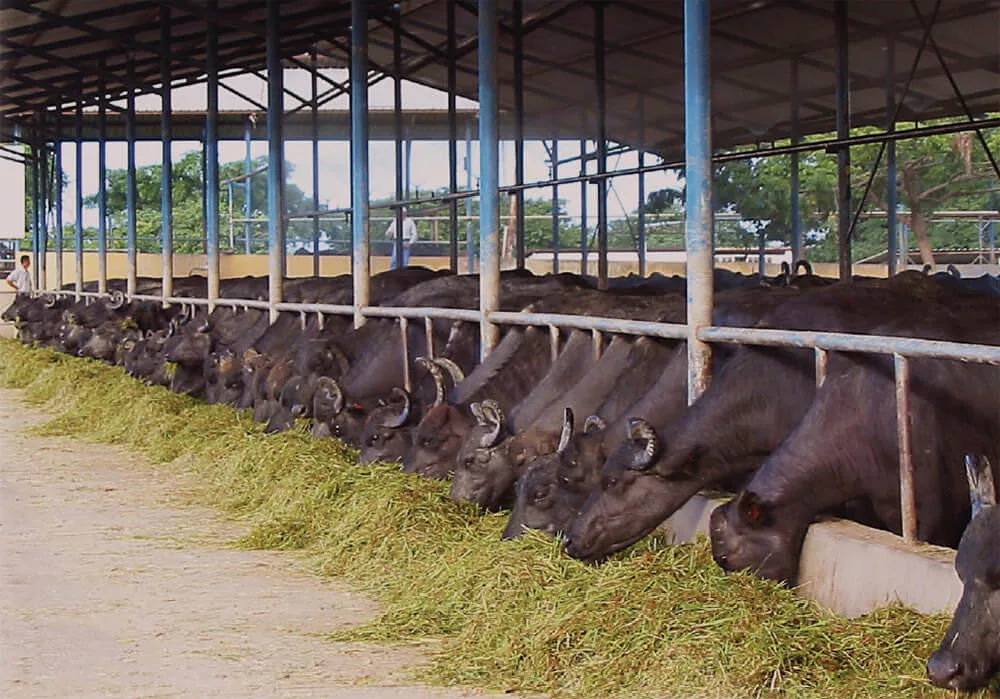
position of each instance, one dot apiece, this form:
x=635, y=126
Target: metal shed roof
x=52, y=49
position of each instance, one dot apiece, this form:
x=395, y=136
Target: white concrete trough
x=849, y=568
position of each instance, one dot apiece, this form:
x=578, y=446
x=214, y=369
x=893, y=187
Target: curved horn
x=404, y=414
x=493, y=414
x=453, y=369
x=594, y=423
x=954, y=271
x=338, y=397
x=116, y=299
x=435, y=371
x=982, y=492
x=567, y=431
x=804, y=264
x=49, y=300
x=204, y=327
x=171, y=327
x=786, y=272
x=926, y=270
x=641, y=431
x=477, y=413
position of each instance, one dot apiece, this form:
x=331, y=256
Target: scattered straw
x=657, y=621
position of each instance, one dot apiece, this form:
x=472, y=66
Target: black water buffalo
x=845, y=449
x=969, y=654
x=756, y=399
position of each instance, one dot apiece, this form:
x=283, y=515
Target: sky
x=429, y=158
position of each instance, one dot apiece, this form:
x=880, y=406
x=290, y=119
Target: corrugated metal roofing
x=52, y=49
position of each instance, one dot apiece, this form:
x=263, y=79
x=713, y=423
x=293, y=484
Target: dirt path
x=111, y=586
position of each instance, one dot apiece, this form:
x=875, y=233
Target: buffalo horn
x=116, y=299
x=400, y=419
x=435, y=371
x=567, y=431
x=926, y=270
x=954, y=271
x=493, y=414
x=982, y=492
x=786, y=273
x=338, y=397
x=641, y=431
x=477, y=412
x=594, y=423
x=453, y=369
x=804, y=265
x=49, y=300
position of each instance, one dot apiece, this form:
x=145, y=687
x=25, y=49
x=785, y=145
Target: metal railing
x=902, y=349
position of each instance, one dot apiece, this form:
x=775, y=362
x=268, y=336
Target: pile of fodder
x=658, y=620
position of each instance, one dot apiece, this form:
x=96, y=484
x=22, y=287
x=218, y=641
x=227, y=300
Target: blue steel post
x=602, y=147
x=58, y=194
x=78, y=200
x=36, y=234
x=248, y=186
x=794, y=214
x=42, y=206
x=212, y=155
x=555, y=204
x=698, y=207
x=275, y=161
x=583, y=204
x=470, y=249
x=489, y=176
x=130, y=185
x=642, y=186
x=361, y=264
x=166, y=164
x=102, y=182
x=890, y=163
x=397, y=130
x=517, y=10
x=314, y=133
x=843, y=151
x=452, y=138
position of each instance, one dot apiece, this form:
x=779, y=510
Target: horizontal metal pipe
x=847, y=342
x=413, y=313
x=670, y=331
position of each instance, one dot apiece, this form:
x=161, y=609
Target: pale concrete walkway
x=111, y=586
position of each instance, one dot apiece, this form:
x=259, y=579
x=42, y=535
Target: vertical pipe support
x=489, y=176
x=641, y=211
x=36, y=234
x=555, y=204
x=517, y=30
x=78, y=201
x=58, y=195
x=131, y=242
x=102, y=181
x=361, y=264
x=166, y=163
x=429, y=337
x=794, y=212
x=397, y=126
x=404, y=332
x=698, y=208
x=42, y=208
x=469, y=247
x=822, y=358
x=597, y=343
x=553, y=343
x=212, y=156
x=602, y=146
x=452, y=138
x=248, y=185
x=907, y=495
x=890, y=162
x=583, y=203
x=843, y=151
x=314, y=134
x=275, y=160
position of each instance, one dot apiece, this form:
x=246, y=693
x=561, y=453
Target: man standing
x=409, y=238
x=20, y=280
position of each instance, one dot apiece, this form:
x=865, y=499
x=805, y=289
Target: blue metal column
x=698, y=207
x=489, y=176
x=555, y=204
x=36, y=233
x=602, y=147
x=794, y=213
x=642, y=186
x=890, y=163
x=361, y=264
x=469, y=246
x=102, y=182
x=42, y=208
x=248, y=187
x=452, y=139
x=212, y=155
x=58, y=194
x=78, y=200
x=517, y=20
x=843, y=132
x=130, y=184
x=583, y=203
x=314, y=128
x=166, y=164
x=397, y=131
x=275, y=161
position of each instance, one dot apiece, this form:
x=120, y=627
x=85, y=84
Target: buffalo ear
x=594, y=424
x=982, y=492
x=752, y=511
x=646, y=442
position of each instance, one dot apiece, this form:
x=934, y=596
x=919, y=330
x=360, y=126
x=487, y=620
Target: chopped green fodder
x=657, y=621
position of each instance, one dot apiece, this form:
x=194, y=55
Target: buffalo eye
x=609, y=482
x=540, y=494
x=482, y=456
x=469, y=461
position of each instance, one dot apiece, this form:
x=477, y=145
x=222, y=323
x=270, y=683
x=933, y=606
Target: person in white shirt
x=20, y=280
x=409, y=238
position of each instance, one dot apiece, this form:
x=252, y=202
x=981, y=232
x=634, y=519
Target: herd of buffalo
x=590, y=437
